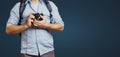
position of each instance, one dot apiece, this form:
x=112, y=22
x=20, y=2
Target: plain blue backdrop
x=92, y=29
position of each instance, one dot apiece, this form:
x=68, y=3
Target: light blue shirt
x=35, y=41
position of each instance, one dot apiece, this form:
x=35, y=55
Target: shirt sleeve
x=56, y=18
x=14, y=15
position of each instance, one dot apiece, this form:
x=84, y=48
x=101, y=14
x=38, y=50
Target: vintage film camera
x=37, y=16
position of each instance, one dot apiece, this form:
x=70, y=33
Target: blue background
x=92, y=29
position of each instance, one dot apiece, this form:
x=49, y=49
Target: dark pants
x=49, y=54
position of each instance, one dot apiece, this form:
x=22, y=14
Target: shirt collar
x=29, y=1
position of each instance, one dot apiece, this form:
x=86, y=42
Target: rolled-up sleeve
x=14, y=15
x=56, y=18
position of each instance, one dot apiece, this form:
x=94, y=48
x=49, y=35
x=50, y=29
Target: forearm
x=15, y=29
x=55, y=27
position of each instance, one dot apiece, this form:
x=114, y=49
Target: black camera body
x=37, y=16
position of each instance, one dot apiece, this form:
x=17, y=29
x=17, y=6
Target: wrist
x=46, y=26
x=26, y=26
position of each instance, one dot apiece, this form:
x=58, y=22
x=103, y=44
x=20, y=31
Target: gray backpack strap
x=48, y=7
x=21, y=10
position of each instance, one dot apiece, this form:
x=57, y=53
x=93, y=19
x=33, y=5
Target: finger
x=32, y=17
x=31, y=20
x=35, y=22
x=31, y=13
x=42, y=16
x=35, y=25
x=38, y=22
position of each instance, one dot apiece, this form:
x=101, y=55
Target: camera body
x=37, y=16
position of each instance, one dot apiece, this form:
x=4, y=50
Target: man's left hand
x=40, y=24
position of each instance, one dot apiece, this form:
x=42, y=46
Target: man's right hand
x=14, y=29
x=29, y=21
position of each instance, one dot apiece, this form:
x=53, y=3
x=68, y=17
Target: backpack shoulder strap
x=48, y=7
x=21, y=10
